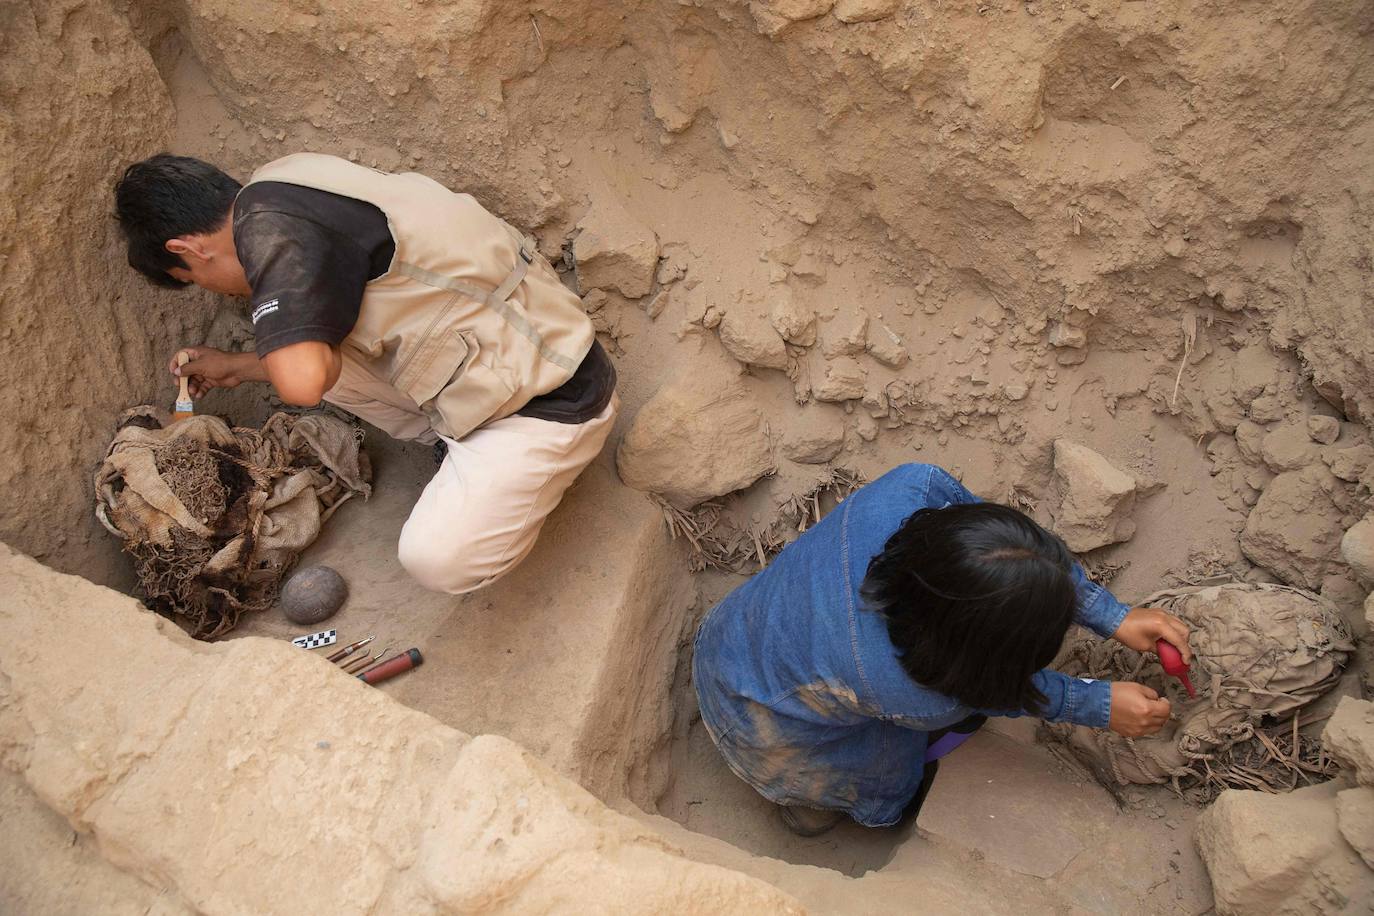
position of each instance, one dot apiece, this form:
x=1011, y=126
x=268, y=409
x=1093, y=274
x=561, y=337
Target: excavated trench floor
x=527, y=658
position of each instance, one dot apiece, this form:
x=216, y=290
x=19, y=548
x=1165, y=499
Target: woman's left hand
x=1144, y=625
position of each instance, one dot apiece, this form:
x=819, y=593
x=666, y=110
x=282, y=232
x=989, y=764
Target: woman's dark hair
x=977, y=598
x=165, y=197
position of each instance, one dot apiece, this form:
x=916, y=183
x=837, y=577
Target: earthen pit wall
x=79, y=100
x=193, y=774
x=1110, y=167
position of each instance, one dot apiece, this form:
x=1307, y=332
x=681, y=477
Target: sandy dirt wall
x=1113, y=166
x=79, y=100
x=190, y=774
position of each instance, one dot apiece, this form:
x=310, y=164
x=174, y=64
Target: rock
x=1349, y=738
x=864, y=10
x=614, y=250
x=1067, y=336
x=1323, y=429
x=795, y=321
x=844, y=380
x=313, y=594
x=1280, y=853
x=772, y=16
x=1266, y=409
x=1349, y=464
x=1015, y=391
x=1288, y=448
x=815, y=441
x=696, y=439
x=845, y=335
x=1249, y=439
x=750, y=338
x=1355, y=817
x=1357, y=548
x=866, y=428
x=886, y=347
x=1096, y=499
x=1294, y=531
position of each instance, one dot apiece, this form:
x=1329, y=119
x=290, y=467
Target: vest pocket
x=453, y=385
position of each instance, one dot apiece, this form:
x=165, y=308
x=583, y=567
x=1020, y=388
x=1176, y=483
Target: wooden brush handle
x=185, y=393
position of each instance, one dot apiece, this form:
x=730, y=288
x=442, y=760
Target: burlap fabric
x=1260, y=654
x=214, y=516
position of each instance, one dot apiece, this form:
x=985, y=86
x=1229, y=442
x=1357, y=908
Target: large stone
x=748, y=336
x=1294, y=531
x=1357, y=548
x=1355, y=817
x=614, y=250
x=794, y=320
x=865, y=10
x=814, y=439
x=1288, y=448
x=1096, y=499
x=772, y=16
x=1281, y=854
x=1325, y=430
x=886, y=347
x=1349, y=738
x=695, y=439
x=844, y=380
x=845, y=334
x=1349, y=464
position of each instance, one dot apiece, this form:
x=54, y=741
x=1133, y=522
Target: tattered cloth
x=1260, y=654
x=214, y=516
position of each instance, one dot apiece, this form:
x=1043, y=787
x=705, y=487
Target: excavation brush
x=185, y=407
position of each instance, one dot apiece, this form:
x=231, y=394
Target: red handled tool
x=388, y=669
x=1172, y=662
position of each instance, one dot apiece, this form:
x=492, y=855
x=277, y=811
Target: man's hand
x=1137, y=710
x=1144, y=625
x=210, y=368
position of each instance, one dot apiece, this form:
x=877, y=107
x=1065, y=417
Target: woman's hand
x=1137, y=710
x=211, y=368
x=1143, y=626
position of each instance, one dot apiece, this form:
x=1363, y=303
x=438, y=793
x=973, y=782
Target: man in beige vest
x=405, y=304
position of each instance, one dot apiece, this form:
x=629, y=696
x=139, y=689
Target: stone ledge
x=247, y=777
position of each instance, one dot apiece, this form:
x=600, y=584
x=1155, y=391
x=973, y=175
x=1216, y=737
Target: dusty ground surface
x=901, y=232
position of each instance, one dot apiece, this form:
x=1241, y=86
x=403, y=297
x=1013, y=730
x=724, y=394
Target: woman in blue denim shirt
x=910, y=609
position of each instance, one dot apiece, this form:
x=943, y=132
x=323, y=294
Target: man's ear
x=184, y=246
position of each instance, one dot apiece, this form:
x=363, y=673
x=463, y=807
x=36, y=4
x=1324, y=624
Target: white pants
x=483, y=510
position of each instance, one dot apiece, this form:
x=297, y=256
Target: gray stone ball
x=313, y=594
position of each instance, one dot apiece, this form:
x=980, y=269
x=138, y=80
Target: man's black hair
x=165, y=197
x=977, y=599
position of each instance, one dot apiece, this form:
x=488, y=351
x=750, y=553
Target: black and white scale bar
x=315, y=640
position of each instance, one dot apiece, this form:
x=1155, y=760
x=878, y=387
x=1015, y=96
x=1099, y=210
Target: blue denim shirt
x=801, y=688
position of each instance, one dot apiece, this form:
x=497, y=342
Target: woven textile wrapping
x=1260, y=654
x=214, y=515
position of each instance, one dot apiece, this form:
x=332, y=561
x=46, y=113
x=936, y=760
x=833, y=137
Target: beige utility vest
x=468, y=323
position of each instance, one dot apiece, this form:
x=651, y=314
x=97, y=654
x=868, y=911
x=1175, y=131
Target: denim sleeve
x=942, y=489
x=1077, y=700
x=1098, y=609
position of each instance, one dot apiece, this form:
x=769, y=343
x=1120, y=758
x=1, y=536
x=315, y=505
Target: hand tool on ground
x=316, y=640
x=185, y=406
x=357, y=665
x=1172, y=663
x=350, y=649
x=388, y=669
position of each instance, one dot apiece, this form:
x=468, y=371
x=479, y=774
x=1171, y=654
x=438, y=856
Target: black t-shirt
x=309, y=255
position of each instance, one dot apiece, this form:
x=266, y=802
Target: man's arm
x=300, y=372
